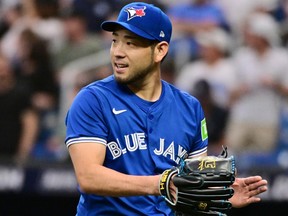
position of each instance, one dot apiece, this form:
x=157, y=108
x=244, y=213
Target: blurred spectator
x=262, y=85
x=18, y=120
x=216, y=116
x=189, y=19
x=43, y=17
x=278, y=10
x=34, y=70
x=166, y=3
x=40, y=16
x=284, y=25
x=78, y=41
x=214, y=66
x=8, y=13
x=237, y=11
x=13, y=18
x=96, y=11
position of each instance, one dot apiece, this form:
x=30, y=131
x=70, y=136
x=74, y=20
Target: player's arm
x=93, y=177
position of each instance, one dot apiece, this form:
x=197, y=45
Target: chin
x=121, y=79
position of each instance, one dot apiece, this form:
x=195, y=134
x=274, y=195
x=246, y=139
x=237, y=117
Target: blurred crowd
x=231, y=55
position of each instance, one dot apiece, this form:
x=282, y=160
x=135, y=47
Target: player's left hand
x=246, y=190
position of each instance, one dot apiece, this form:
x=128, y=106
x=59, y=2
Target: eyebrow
x=127, y=36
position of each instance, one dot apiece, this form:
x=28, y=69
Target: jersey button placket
x=150, y=117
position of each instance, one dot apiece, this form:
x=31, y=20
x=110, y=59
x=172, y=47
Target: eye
x=131, y=43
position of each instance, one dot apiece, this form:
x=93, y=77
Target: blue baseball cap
x=144, y=20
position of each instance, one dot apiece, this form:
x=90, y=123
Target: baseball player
x=125, y=130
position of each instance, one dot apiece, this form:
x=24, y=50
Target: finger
x=257, y=188
x=173, y=192
x=257, y=191
x=256, y=185
x=253, y=198
x=252, y=179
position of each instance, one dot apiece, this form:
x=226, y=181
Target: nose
x=117, y=50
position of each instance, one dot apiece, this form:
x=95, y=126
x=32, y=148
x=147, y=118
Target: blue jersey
x=142, y=138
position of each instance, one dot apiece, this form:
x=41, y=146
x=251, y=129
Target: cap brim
x=112, y=25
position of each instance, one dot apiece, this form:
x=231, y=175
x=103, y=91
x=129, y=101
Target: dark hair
x=201, y=89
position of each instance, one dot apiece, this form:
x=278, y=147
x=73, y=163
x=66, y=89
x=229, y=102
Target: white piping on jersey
x=85, y=139
x=198, y=152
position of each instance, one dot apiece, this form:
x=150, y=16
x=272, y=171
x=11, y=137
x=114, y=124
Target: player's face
x=132, y=57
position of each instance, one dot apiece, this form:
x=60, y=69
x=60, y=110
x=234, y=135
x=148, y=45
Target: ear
x=160, y=51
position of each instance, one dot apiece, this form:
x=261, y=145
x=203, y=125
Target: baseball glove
x=202, y=185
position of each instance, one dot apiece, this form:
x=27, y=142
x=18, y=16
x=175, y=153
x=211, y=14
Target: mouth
x=120, y=67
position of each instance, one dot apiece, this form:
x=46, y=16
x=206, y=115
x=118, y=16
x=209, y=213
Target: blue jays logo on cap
x=135, y=12
x=144, y=20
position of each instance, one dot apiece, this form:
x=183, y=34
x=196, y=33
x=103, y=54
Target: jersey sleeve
x=85, y=121
x=200, y=143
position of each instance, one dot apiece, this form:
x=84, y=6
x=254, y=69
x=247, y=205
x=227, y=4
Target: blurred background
x=231, y=55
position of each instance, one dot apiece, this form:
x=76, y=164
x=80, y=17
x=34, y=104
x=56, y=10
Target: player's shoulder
x=108, y=81
x=101, y=86
x=177, y=93
x=97, y=89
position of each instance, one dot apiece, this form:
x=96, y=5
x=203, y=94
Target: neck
x=148, y=89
